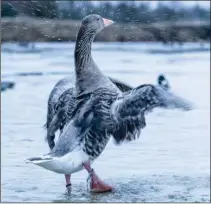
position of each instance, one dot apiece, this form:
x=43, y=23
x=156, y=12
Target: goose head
x=95, y=23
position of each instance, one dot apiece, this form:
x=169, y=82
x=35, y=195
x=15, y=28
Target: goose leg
x=68, y=184
x=96, y=184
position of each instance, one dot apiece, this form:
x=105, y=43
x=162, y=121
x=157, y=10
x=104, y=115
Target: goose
x=100, y=111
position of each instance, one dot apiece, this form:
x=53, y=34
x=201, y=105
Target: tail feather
x=36, y=160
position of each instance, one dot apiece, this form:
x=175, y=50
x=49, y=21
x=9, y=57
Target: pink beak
x=107, y=22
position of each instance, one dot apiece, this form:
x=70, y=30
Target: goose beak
x=107, y=22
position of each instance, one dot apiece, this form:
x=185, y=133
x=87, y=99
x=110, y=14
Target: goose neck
x=83, y=55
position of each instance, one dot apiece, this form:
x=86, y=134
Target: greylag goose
x=100, y=111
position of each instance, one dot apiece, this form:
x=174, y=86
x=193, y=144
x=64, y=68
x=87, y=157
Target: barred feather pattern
x=91, y=118
x=99, y=124
x=62, y=109
x=102, y=126
x=59, y=88
x=129, y=110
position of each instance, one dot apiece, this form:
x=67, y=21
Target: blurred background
x=167, y=21
x=171, y=160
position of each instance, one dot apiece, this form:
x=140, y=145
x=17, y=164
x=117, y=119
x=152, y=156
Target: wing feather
x=129, y=110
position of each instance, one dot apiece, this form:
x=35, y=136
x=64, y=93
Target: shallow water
x=169, y=162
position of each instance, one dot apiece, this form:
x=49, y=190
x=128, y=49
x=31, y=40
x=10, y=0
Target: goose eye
x=98, y=19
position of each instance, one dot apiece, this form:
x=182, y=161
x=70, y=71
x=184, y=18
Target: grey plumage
x=130, y=109
x=60, y=103
x=85, y=67
x=61, y=86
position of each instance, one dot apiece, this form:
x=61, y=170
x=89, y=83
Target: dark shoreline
x=26, y=29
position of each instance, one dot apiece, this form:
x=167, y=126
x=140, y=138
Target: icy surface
x=170, y=161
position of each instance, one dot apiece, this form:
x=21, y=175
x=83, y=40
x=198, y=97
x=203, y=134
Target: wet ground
x=170, y=161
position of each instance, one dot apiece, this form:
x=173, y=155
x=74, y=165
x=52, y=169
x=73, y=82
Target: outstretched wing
x=128, y=111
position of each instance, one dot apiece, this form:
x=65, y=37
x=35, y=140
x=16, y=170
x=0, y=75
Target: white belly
x=67, y=164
